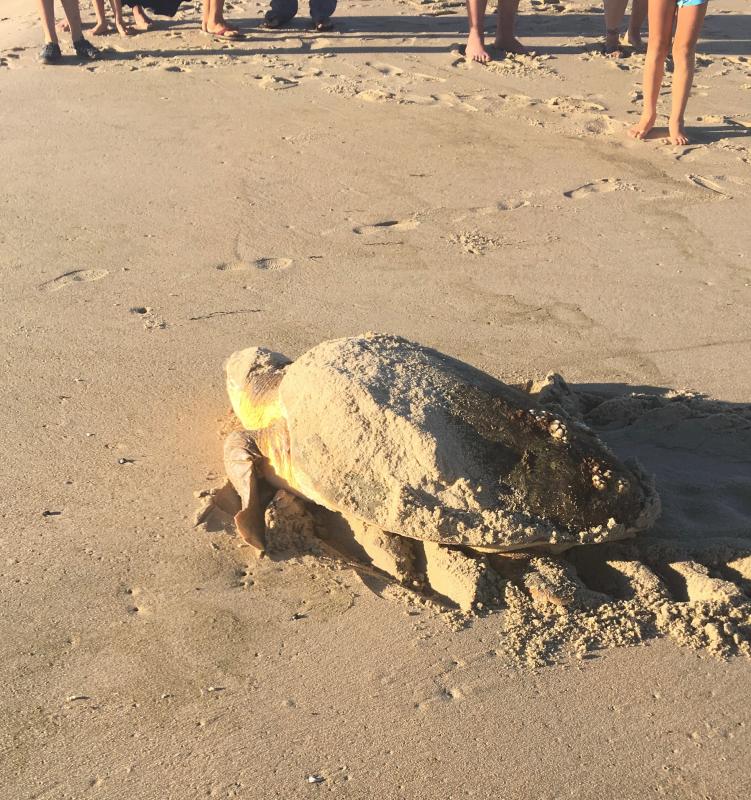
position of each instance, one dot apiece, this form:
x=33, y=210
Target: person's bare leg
x=141, y=22
x=476, y=40
x=73, y=15
x=117, y=11
x=102, y=26
x=636, y=23
x=47, y=17
x=615, y=10
x=214, y=22
x=505, y=38
x=689, y=22
x=661, y=14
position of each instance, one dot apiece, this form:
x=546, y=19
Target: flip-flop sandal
x=86, y=50
x=322, y=26
x=50, y=53
x=226, y=32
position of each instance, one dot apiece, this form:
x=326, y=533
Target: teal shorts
x=686, y=3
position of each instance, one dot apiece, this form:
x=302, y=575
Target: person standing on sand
x=504, y=38
x=51, y=53
x=615, y=10
x=102, y=26
x=163, y=8
x=214, y=24
x=688, y=16
x=282, y=11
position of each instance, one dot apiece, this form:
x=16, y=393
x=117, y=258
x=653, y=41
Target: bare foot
x=678, y=135
x=613, y=47
x=100, y=28
x=643, y=126
x=634, y=41
x=140, y=21
x=122, y=28
x=224, y=31
x=476, y=49
x=511, y=46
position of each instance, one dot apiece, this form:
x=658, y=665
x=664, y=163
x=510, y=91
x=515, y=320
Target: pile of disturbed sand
x=688, y=578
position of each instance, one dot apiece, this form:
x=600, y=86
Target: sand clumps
x=465, y=580
x=537, y=628
x=290, y=526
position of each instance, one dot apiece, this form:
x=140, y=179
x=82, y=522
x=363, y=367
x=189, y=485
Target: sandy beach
x=186, y=197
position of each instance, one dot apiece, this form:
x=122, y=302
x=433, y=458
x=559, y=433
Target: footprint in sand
x=385, y=69
x=392, y=224
x=265, y=264
x=76, y=276
x=420, y=99
x=597, y=187
x=376, y=95
x=275, y=82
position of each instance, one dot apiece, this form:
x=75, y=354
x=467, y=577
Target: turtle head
x=253, y=378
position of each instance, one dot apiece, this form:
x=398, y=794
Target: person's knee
x=658, y=50
x=683, y=53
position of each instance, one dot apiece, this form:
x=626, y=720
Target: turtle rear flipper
x=242, y=461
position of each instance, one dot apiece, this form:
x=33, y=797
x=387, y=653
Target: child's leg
x=505, y=38
x=661, y=14
x=140, y=21
x=102, y=26
x=117, y=12
x=635, y=23
x=73, y=15
x=214, y=22
x=476, y=40
x=47, y=16
x=209, y=13
x=690, y=20
x=614, y=13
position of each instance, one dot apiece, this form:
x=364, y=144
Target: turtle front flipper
x=242, y=461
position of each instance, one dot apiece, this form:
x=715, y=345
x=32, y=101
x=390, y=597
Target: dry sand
x=184, y=198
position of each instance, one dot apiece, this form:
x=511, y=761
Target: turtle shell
x=420, y=444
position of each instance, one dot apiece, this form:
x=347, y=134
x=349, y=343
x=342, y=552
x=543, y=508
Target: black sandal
x=50, y=53
x=323, y=25
x=271, y=23
x=86, y=50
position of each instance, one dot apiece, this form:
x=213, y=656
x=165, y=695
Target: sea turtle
x=413, y=442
